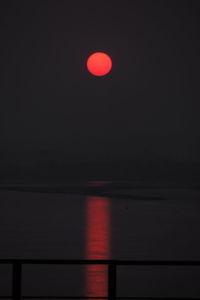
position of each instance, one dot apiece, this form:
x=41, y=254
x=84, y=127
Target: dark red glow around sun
x=99, y=64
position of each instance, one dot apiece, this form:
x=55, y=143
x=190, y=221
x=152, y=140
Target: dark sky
x=52, y=109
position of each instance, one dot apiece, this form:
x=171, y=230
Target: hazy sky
x=149, y=102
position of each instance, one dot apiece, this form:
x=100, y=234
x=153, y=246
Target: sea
x=101, y=220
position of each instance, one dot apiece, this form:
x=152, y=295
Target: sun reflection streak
x=97, y=245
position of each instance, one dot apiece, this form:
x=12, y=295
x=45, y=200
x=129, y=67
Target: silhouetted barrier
x=112, y=275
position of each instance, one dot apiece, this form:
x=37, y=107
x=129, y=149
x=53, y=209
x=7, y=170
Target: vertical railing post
x=112, y=274
x=16, y=284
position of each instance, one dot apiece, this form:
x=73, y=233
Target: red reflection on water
x=97, y=245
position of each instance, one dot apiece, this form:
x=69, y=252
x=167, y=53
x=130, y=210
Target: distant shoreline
x=118, y=190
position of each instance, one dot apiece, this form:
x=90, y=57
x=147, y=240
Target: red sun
x=99, y=64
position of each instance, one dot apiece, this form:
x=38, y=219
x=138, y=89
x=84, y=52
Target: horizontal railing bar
x=54, y=261
x=156, y=298
x=24, y=297
x=46, y=297
x=133, y=298
x=159, y=263
x=102, y=262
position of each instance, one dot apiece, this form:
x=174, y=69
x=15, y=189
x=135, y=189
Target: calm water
x=50, y=225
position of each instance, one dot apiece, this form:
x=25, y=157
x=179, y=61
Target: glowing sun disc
x=99, y=64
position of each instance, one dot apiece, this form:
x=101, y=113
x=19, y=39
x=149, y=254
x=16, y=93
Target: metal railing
x=112, y=275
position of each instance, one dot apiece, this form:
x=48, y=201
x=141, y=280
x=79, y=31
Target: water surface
x=60, y=225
